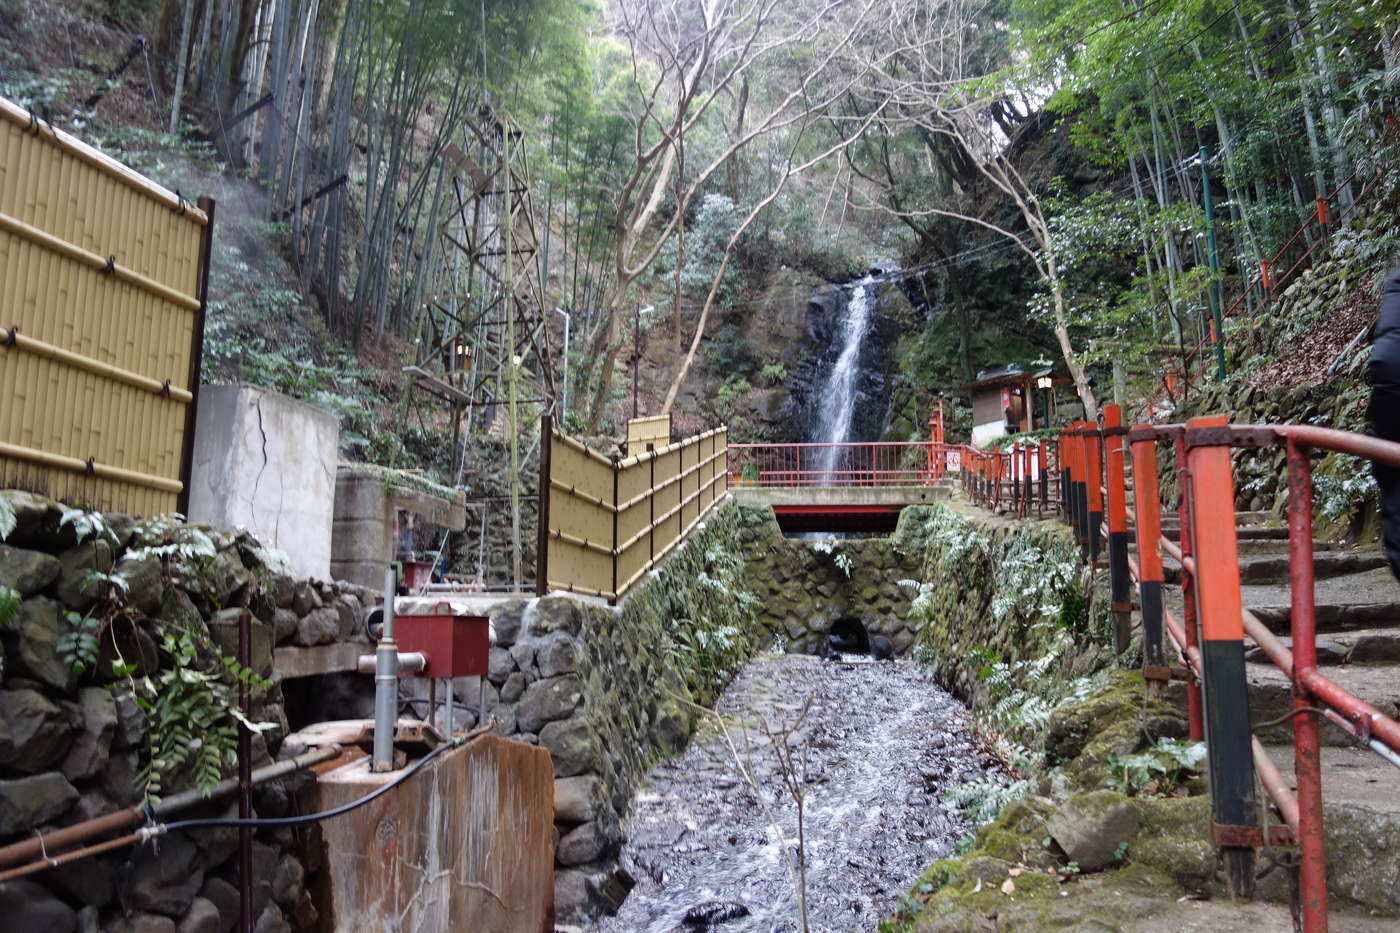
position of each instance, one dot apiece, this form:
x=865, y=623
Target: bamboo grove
x=682, y=148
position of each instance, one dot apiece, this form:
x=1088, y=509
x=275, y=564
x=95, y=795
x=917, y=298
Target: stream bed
x=874, y=747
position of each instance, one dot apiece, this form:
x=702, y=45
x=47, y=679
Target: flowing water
x=874, y=748
x=838, y=396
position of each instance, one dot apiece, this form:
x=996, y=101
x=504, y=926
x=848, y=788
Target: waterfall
x=838, y=395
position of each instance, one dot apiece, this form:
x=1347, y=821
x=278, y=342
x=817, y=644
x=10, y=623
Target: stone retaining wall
x=803, y=587
x=73, y=742
x=609, y=690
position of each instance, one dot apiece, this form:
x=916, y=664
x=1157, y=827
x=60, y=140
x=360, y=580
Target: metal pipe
x=245, y=778
x=1308, y=830
x=35, y=846
x=1275, y=786
x=410, y=662
x=386, y=684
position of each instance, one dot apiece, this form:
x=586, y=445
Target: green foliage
x=9, y=606
x=192, y=710
x=87, y=524
x=710, y=607
x=1159, y=770
x=1342, y=486
x=772, y=374
x=982, y=800
x=831, y=548
x=78, y=646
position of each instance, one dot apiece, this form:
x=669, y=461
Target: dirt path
x=879, y=747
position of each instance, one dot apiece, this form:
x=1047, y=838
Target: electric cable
x=256, y=822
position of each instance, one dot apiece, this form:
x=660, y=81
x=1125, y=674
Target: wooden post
x=542, y=512
x=206, y=249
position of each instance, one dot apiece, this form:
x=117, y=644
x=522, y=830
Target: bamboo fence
x=103, y=277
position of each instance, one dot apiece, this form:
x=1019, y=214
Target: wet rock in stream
x=874, y=749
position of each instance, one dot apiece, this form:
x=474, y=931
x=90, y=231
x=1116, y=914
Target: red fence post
x=1093, y=478
x=1120, y=585
x=1194, y=711
x=1235, y=820
x=1147, y=505
x=1312, y=872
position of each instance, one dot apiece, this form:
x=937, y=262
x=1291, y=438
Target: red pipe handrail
x=1207, y=487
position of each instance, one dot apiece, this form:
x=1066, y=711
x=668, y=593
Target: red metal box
x=456, y=645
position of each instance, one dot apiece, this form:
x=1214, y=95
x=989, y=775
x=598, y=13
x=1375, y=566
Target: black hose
x=315, y=817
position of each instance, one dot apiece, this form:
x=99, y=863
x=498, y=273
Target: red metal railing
x=1209, y=638
x=878, y=463
x=1018, y=477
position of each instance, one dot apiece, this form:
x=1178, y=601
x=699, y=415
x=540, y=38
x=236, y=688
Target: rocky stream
x=873, y=748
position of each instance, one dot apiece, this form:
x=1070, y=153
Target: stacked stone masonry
x=72, y=744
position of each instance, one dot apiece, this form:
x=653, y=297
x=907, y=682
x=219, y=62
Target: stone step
x=1361, y=816
x=1271, y=566
x=1367, y=599
x=1271, y=696
x=1359, y=646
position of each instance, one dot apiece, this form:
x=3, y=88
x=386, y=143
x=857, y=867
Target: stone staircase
x=1358, y=643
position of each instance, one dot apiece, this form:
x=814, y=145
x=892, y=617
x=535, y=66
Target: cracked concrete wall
x=266, y=462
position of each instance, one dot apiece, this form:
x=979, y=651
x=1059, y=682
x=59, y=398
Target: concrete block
x=267, y=463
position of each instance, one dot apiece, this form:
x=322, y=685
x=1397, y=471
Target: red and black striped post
x=1093, y=479
x=1147, y=505
x=1120, y=584
x=1235, y=820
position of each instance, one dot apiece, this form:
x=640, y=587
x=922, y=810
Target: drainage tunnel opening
x=849, y=637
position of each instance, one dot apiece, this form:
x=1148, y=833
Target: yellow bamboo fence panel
x=610, y=523
x=101, y=274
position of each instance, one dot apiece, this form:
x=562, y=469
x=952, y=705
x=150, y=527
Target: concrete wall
x=362, y=540
x=982, y=433
x=267, y=463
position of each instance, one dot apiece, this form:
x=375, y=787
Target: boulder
x=284, y=625
x=37, y=523
x=131, y=719
x=87, y=881
x=319, y=627
x=203, y=917
x=224, y=897
x=549, y=700
x=145, y=582
x=34, y=731
x=507, y=620
x=556, y=614
x=271, y=921
x=27, y=905
x=572, y=746
x=142, y=923
x=27, y=571
x=28, y=802
x=223, y=628
x=513, y=688
x=288, y=882
x=41, y=623
x=1090, y=827
x=351, y=615
x=165, y=882
x=577, y=799
x=557, y=654
x=88, y=754
x=571, y=895
x=500, y=665
x=581, y=845
x=120, y=779
x=305, y=598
